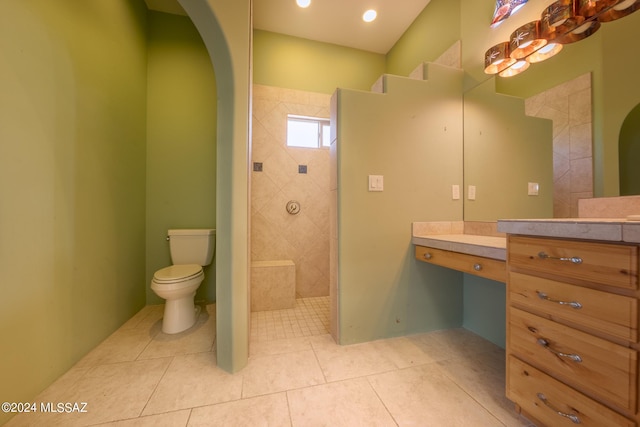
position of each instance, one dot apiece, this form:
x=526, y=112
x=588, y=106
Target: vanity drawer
x=480, y=266
x=602, y=263
x=604, y=312
x=552, y=402
x=591, y=364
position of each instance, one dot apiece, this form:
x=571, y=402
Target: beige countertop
x=608, y=229
x=451, y=236
x=484, y=246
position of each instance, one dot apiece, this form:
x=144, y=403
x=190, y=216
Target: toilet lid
x=177, y=273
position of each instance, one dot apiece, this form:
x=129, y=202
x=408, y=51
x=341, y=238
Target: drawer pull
x=572, y=304
x=545, y=344
x=572, y=417
x=477, y=267
x=573, y=259
x=427, y=255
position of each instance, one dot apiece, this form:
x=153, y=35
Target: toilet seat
x=177, y=273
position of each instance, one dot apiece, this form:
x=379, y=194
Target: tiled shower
x=277, y=178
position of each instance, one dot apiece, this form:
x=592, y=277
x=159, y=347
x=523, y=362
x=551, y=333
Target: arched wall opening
x=629, y=153
x=225, y=28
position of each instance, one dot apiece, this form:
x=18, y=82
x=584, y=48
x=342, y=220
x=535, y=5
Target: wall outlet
x=455, y=192
x=471, y=192
x=533, y=189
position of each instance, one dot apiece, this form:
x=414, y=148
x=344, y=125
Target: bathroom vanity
x=572, y=320
x=571, y=310
x=471, y=247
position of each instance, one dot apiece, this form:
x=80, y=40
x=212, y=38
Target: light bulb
x=369, y=15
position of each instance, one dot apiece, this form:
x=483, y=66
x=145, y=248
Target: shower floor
x=309, y=317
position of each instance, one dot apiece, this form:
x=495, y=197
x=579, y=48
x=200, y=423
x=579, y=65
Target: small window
x=308, y=132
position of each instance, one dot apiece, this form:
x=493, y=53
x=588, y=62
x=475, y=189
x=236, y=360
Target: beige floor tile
x=425, y=396
x=112, y=392
x=170, y=419
x=340, y=362
x=403, y=352
x=124, y=345
x=479, y=378
x=288, y=345
x=281, y=372
x=349, y=403
x=145, y=318
x=461, y=341
x=271, y=410
x=197, y=339
x=193, y=380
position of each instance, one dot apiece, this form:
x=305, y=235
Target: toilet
x=190, y=250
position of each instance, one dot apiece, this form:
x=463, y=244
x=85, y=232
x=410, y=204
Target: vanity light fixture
x=563, y=22
x=370, y=15
x=517, y=68
x=526, y=39
x=303, y=3
x=620, y=10
x=497, y=59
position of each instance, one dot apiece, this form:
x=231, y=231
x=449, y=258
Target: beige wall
x=275, y=234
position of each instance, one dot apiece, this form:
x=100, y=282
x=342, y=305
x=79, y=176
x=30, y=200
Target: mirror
x=508, y=158
x=565, y=176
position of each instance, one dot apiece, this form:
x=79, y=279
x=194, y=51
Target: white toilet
x=177, y=284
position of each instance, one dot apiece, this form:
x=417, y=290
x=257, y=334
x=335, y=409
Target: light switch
x=533, y=189
x=455, y=192
x=471, y=192
x=376, y=183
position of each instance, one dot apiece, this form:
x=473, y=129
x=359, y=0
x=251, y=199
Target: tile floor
x=309, y=317
x=141, y=377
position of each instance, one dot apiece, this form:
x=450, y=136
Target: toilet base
x=179, y=314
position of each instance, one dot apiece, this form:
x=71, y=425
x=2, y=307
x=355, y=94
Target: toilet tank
x=192, y=246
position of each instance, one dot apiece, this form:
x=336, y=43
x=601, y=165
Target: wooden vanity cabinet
x=572, y=331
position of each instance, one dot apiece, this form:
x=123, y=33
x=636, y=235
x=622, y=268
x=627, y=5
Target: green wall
x=630, y=154
x=434, y=31
x=225, y=28
x=72, y=183
x=412, y=136
x=181, y=141
x=484, y=304
x=504, y=150
x=295, y=63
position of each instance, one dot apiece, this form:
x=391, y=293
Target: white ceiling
x=330, y=21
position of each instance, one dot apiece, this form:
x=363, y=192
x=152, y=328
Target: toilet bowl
x=177, y=284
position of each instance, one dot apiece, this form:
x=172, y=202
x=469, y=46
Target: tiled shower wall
x=275, y=234
x=569, y=106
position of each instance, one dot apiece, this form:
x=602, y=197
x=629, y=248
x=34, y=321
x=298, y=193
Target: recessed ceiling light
x=303, y=3
x=369, y=15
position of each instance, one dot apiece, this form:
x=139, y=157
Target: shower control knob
x=293, y=207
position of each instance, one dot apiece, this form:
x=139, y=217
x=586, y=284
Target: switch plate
x=376, y=183
x=471, y=192
x=533, y=189
x=455, y=192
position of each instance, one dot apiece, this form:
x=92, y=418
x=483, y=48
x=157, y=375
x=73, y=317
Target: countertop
x=484, y=246
x=607, y=229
